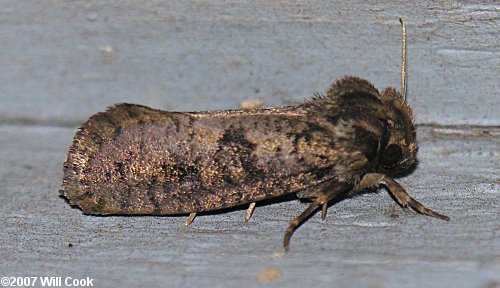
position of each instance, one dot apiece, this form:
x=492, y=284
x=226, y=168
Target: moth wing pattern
x=132, y=159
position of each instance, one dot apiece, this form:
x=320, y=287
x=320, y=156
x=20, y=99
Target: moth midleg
x=323, y=200
x=324, y=208
x=322, y=195
x=249, y=211
x=406, y=200
x=190, y=219
x=295, y=223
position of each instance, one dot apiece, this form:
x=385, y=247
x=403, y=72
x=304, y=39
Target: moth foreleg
x=370, y=180
x=406, y=200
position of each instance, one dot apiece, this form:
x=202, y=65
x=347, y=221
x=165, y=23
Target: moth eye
x=391, y=155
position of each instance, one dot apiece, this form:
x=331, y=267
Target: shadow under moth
x=132, y=159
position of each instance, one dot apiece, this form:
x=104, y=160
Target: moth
x=136, y=160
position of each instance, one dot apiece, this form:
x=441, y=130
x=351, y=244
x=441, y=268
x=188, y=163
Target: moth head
x=401, y=150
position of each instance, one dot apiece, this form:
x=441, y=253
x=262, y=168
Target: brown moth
x=132, y=159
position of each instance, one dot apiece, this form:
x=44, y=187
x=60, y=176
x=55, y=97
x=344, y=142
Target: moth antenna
x=403, y=59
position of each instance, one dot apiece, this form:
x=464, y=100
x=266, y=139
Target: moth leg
x=322, y=194
x=370, y=180
x=297, y=221
x=324, y=208
x=190, y=219
x=249, y=211
x=406, y=200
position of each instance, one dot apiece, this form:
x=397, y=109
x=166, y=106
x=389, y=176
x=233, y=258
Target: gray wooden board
x=366, y=241
x=64, y=60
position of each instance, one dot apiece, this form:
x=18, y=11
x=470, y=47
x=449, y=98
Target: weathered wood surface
x=65, y=60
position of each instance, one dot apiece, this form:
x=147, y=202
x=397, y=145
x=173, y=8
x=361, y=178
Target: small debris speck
x=251, y=103
x=269, y=274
